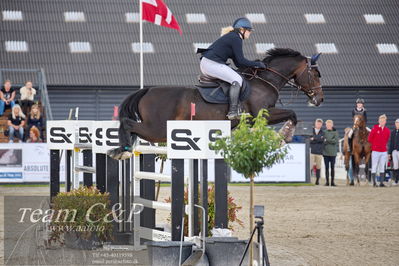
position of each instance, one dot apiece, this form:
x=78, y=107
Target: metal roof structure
x=104, y=35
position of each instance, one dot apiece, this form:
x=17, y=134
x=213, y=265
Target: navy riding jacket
x=394, y=143
x=360, y=112
x=229, y=46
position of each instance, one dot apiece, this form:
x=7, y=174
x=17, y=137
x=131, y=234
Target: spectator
x=35, y=119
x=27, y=95
x=394, y=151
x=330, y=150
x=7, y=96
x=316, y=148
x=379, y=137
x=16, y=122
x=34, y=135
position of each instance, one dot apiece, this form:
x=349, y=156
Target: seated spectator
x=7, y=96
x=27, y=95
x=34, y=135
x=35, y=119
x=16, y=122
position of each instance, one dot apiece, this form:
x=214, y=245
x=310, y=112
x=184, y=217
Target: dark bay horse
x=361, y=148
x=144, y=113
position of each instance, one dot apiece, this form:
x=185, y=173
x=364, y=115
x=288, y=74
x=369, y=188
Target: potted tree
x=252, y=146
x=82, y=218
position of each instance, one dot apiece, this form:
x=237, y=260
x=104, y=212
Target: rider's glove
x=261, y=65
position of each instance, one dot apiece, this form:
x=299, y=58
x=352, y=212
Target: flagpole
x=141, y=46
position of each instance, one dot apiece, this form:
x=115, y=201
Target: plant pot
x=166, y=253
x=226, y=251
x=75, y=240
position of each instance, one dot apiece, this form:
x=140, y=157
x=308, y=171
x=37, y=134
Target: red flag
x=157, y=12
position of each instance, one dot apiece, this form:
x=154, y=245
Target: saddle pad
x=217, y=95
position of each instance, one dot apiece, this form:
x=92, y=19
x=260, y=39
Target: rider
x=229, y=46
x=358, y=110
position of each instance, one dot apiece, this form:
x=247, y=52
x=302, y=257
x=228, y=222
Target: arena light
x=10, y=15
x=374, y=18
x=387, y=48
x=261, y=48
x=80, y=47
x=73, y=16
x=196, y=18
x=256, y=17
x=202, y=45
x=132, y=17
x=315, y=18
x=16, y=46
x=326, y=48
x=147, y=47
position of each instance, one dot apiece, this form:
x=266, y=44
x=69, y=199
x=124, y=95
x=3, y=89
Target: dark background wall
x=97, y=103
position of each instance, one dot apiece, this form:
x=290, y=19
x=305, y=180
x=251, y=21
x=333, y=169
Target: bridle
x=294, y=83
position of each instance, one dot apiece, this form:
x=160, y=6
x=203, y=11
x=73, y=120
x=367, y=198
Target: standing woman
x=330, y=150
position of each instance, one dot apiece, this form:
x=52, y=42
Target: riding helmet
x=360, y=100
x=242, y=23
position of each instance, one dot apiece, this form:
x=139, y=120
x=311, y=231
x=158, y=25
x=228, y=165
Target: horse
x=361, y=149
x=145, y=112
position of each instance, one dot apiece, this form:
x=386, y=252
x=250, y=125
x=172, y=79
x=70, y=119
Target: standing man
x=379, y=137
x=316, y=147
x=394, y=151
x=7, y=96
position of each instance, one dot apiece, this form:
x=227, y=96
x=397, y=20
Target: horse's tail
x=129, y=115
x=129, y=108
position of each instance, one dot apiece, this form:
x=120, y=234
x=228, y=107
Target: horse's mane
x=280, y=52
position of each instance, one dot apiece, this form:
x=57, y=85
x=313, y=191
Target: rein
x=254, y=75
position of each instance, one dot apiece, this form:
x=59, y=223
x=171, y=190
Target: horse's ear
x=314, y=58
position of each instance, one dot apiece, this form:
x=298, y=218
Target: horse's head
x=359, y=121
x=307, y=76
x=302, y=70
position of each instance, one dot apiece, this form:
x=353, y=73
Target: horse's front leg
x=277, y=115
x=356, y=158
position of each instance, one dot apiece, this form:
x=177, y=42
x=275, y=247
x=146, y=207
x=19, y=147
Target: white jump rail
x=138, y=175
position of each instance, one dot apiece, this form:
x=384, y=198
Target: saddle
x=214, y=90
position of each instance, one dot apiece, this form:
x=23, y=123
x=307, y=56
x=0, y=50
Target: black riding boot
x=395, y=176
x=382, y=179
x=374, y=181
x=350, y=140
x=327, y=178
x=332, y=181
x=317, y=176
x=234, y=94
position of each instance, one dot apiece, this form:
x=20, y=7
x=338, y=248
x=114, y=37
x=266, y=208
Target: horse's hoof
x=287, y=131
x=119, y=154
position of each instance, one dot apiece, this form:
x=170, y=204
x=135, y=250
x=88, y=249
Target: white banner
x=191, y=139
x=105, y=136
x=24, y=162
x=293, y=169
x=61, y=134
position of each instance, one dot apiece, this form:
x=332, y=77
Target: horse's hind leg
x=126, y=140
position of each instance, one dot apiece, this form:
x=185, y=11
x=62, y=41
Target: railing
x=37, y=77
